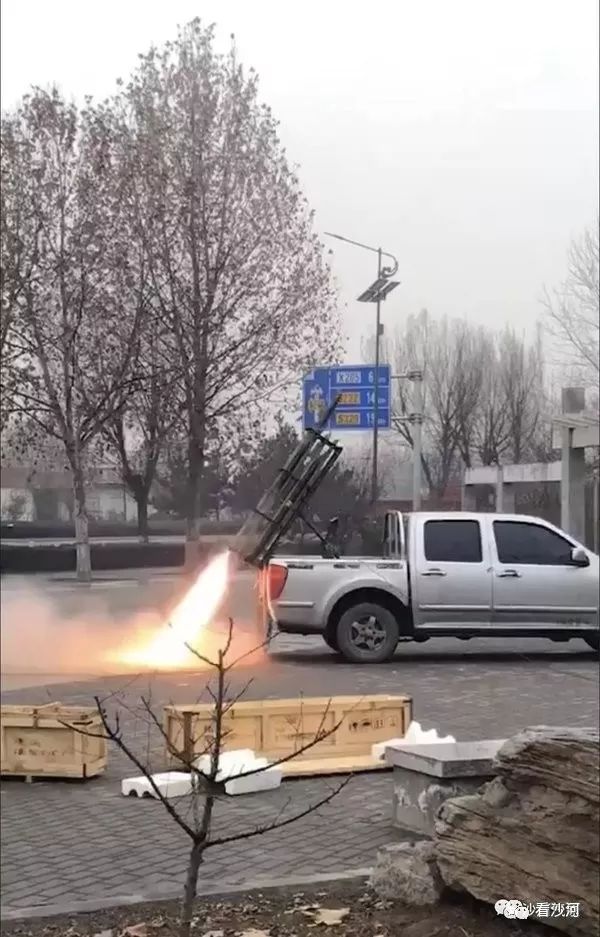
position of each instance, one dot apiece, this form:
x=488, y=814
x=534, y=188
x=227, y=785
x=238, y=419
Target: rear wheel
x=367, y=634
x=594, y=641
x=331, y=641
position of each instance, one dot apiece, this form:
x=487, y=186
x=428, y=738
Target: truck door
x=451, y=574
x=535, y=581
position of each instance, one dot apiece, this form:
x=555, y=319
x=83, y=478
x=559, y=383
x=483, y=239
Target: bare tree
x=135, y=432
x=75, y=330
x=196, y=819
x=484, y=397
x=138, y=431
x=491, y=434
x=522, y=381
x=511, y=411
x=447, y=351
x=573, y=313
x=238, y=275
x=17, y=237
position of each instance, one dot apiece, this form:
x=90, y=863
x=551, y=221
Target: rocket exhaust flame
x=169, y=649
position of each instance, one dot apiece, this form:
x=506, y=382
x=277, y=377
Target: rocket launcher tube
x=287, y=497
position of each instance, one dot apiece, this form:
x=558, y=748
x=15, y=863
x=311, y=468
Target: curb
x=212, y=890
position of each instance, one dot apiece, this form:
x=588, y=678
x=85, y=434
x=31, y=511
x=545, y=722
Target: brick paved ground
x=65, y=842
x=68, y=842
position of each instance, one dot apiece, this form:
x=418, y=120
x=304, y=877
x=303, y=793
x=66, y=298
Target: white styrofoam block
x=228, y=761
x=264, y=781
x=239, y=770
x=415, y=735
x=169, y=783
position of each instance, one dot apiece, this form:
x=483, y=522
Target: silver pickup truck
x=456, y=574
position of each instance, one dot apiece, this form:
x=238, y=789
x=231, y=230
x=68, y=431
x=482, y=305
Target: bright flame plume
x=167, y=650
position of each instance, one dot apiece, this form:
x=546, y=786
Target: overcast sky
x=461, y=136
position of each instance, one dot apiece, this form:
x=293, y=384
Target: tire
x=593, y=641
x=331, y=641
x=367, y=634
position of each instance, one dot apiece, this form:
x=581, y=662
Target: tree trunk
x=191, y=886
x=82, y=540
x=141, y=501
x=194, y=479
x=192, y=537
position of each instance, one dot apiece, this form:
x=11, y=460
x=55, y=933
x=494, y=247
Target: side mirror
x=579, y=557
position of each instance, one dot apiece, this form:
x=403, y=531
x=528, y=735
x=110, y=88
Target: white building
x=29, y=494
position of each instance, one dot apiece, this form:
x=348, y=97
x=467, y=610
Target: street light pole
x=417, y=438
x=415, y=418
x=375, y=293
x=374, y=485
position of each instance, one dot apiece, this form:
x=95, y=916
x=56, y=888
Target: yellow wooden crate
x=44, y=741
x=277, y=728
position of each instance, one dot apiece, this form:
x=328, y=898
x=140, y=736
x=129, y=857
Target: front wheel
x=367, y=634
x=593, y=640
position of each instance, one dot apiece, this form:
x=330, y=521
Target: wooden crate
x=276, y=728
x=44, y=741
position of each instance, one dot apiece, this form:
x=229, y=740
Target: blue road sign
x=355, y=386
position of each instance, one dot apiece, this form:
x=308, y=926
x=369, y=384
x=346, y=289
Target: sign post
x=359, y=404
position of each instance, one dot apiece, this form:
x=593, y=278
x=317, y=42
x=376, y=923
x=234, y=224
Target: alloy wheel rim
x=367, y=634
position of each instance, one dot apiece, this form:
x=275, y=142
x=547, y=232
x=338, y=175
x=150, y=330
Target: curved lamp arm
x=386, y=272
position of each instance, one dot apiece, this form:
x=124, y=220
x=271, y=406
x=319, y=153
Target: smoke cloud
x=80, y=632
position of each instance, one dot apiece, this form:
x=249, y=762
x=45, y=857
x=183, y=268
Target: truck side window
x=531, y=544
x=452, y=542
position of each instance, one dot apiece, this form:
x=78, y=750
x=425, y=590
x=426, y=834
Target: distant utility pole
x=415, y=418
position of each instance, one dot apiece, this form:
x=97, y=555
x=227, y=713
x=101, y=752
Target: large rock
x=533, y=832
x=407, y=872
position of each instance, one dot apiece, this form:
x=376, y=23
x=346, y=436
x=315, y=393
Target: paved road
x=68, y=842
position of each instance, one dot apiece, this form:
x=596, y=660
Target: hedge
x=56, y=530
x=116, y=556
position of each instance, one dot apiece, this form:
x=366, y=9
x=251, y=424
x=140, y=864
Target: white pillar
x=572, y=485
x=499, y=490
x=510, y=499
x=468, y=500
x=505, y=494
x=572, y=488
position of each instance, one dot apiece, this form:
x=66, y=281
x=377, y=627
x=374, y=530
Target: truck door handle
x=509, y=574
x=433, y=572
